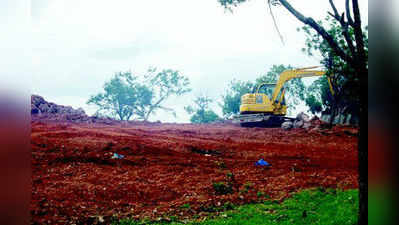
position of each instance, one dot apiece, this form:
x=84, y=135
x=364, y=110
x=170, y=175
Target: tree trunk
x=332, y=114
x=363, y=149
x=359, y=63
x=148, y=114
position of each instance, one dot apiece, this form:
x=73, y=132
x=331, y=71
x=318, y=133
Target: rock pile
x=43, y=109
x=302, y=120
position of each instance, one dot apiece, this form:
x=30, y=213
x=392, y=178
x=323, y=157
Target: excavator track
x=260, y=120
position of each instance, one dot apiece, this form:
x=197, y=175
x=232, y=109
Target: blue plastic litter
x=117, y=156
x=262, y=162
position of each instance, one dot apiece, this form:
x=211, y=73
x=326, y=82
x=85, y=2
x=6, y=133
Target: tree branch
x=320, y=30
x=348, y=13
x=334, y=16
x=274, y=21
x=334, y=8
x=348, y=39
x=154, y=106
x=345, y=32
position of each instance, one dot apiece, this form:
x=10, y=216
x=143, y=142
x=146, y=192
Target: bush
x=222, y=188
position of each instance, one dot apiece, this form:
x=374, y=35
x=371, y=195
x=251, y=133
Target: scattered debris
x=203, y=151
x=117, y=156
x=262, y=162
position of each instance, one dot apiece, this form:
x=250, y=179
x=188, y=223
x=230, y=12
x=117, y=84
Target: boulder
x=298, y=123
x=286, y=125
x=34, y=109
x=44, y=108
x=37, y=100
x=306, y=125
x=303, y=116
x=53, y=108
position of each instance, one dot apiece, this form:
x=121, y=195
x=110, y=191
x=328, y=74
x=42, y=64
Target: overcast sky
x=77, y=45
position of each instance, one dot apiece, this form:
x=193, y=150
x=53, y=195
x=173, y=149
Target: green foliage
x=221, y=165
x=261, y=194
x=319, y=97
x=228, y=206
x=232, y=98
x=314, y=105
x=229, y=3
x=185, y=206
x=164, y=84
x=312, y=206
x=121, y=96
x=125, y=95
x=343, y=77
x=248, y=185
x=200, y=111
x=221, y=188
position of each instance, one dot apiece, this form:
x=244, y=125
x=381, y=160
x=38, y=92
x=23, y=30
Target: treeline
x=129, y=96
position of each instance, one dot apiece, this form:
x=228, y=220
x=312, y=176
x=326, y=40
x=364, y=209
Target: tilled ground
x=171, y=169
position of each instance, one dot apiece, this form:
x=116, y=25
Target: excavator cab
x=260, y=100
x=267, y=89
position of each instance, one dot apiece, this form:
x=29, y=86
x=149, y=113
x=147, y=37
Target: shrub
x=221, y=188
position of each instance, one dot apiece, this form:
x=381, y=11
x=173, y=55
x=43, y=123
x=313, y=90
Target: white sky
x=74, y=46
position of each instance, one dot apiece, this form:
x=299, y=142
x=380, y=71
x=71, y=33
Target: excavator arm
x=297, y=73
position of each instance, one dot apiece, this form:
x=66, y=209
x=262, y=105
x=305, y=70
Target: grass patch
x=311, y=206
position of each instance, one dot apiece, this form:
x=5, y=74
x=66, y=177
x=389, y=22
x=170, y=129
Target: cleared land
x=167, y=167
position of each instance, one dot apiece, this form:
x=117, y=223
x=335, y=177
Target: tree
x=121, y=97
x=314, y=105
x=346, y=98
x=200, y=111
x=126, y=96
x=163, y=84
x=232, y=98
x=356, y=59
x=319, y=96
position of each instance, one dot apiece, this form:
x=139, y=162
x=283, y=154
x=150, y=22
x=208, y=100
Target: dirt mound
x=41, y=110
x=48, y=110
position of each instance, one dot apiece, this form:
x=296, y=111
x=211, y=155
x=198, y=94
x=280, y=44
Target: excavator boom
x=297, y=73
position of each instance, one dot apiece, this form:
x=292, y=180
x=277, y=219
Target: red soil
x=75, y=180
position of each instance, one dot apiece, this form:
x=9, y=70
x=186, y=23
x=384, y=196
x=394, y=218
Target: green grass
x=312, y=206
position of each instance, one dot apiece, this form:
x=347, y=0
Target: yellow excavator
x=266, y=106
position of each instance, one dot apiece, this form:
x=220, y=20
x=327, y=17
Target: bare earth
x=76, y=180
